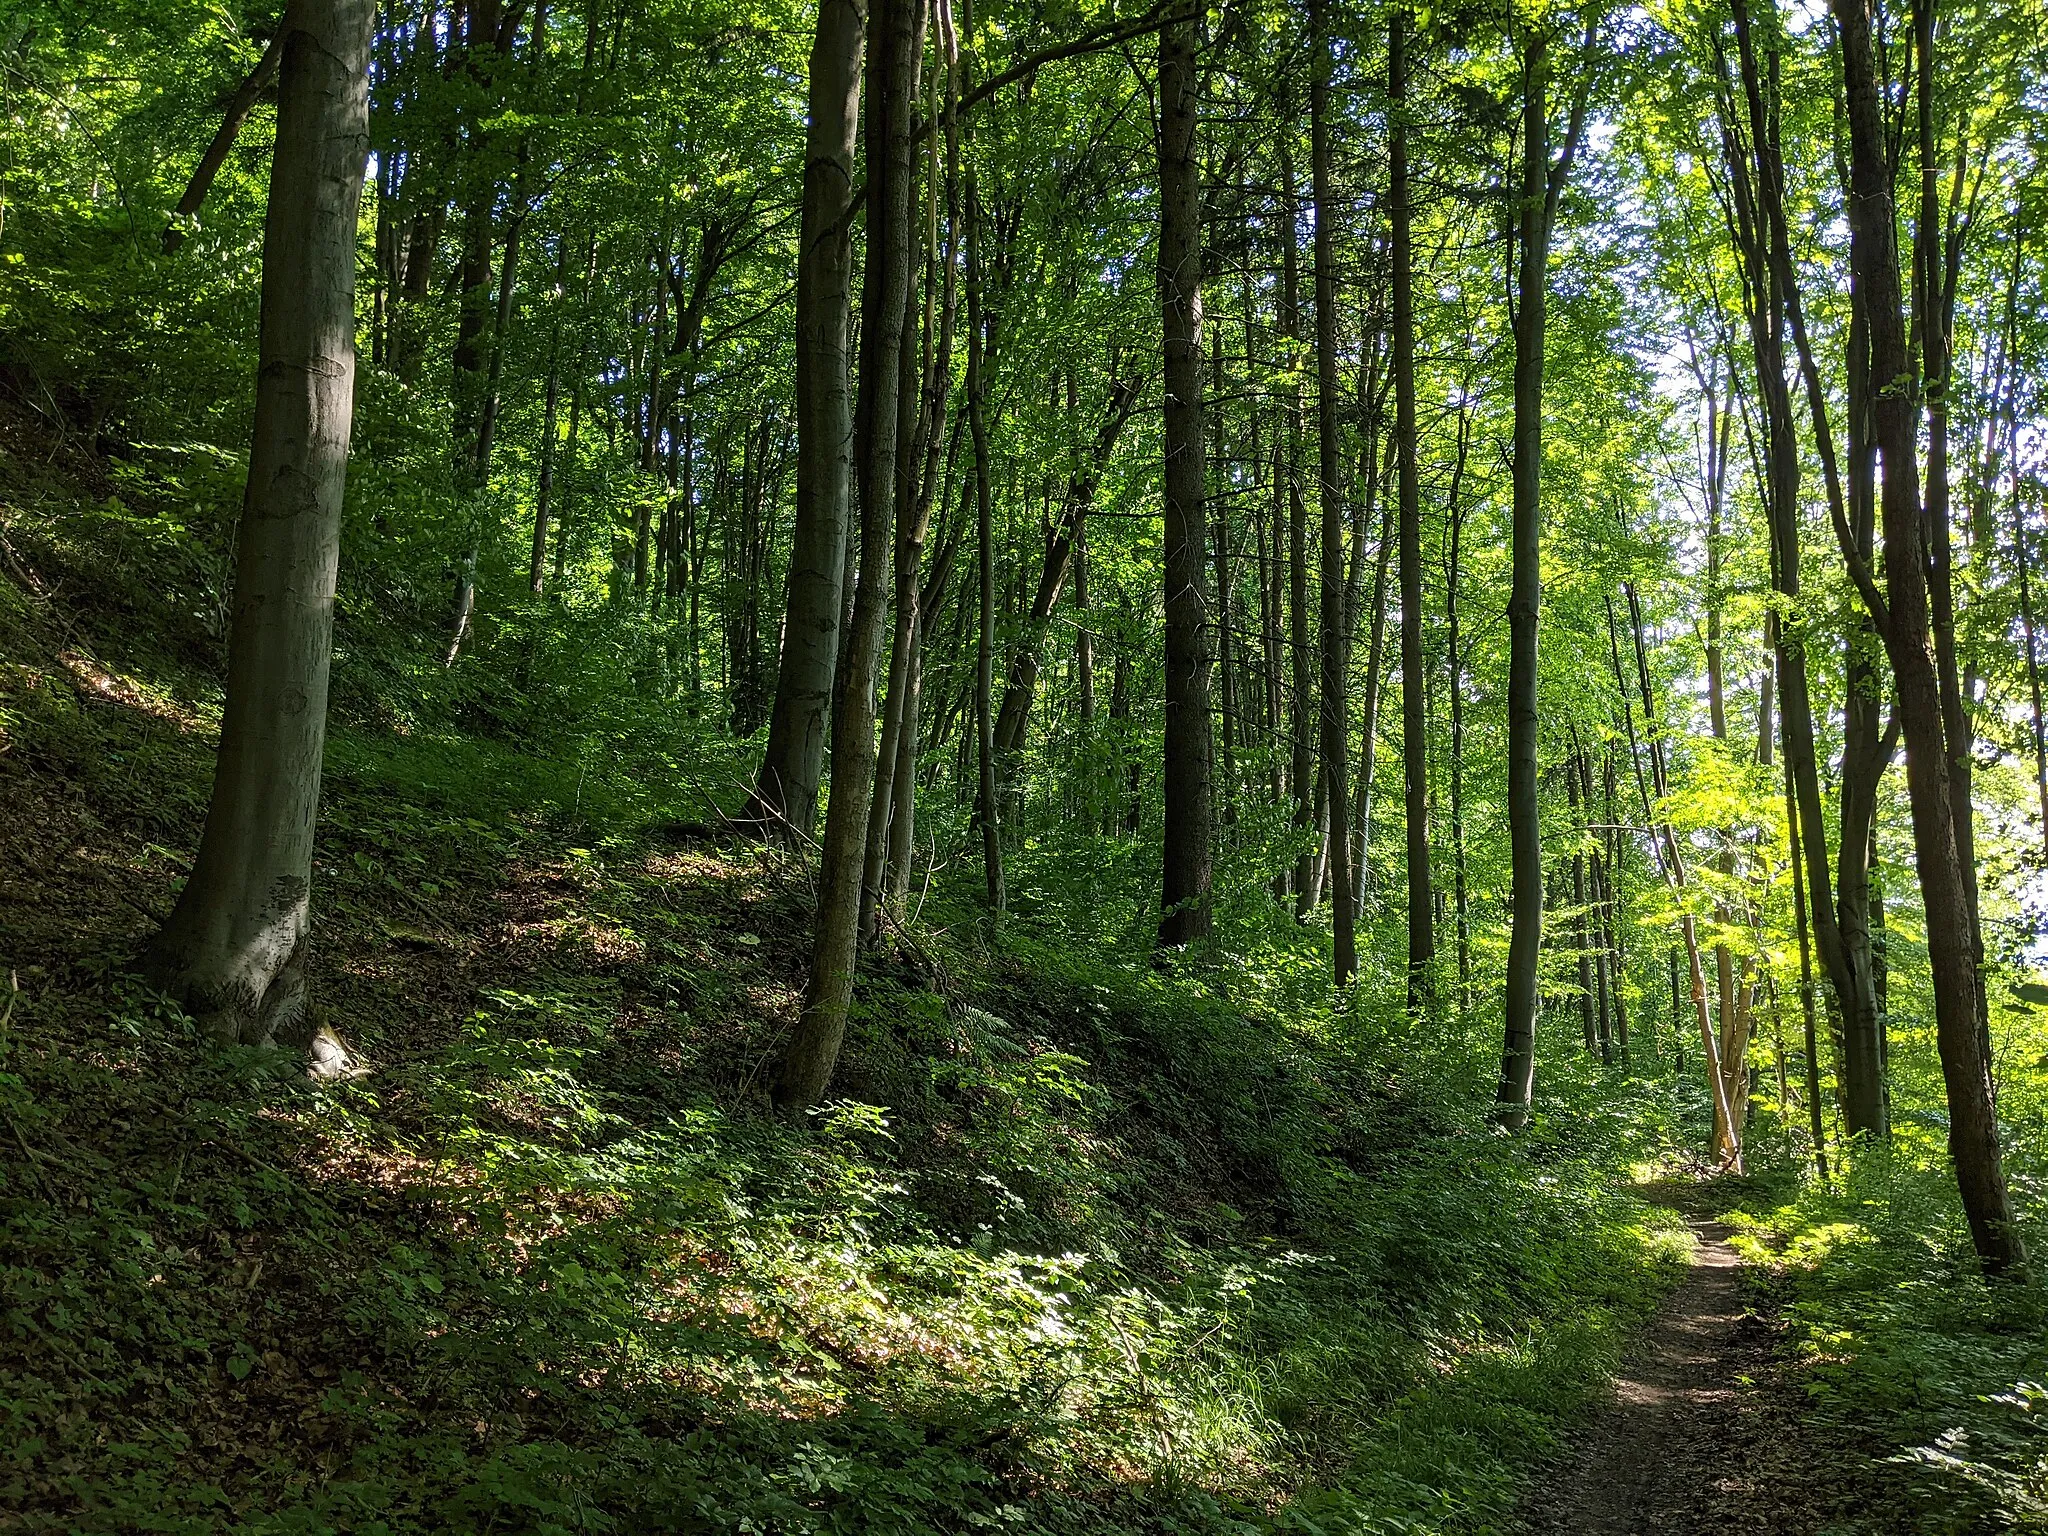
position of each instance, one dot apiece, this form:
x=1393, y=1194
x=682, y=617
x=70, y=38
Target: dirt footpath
x=1706, y=1431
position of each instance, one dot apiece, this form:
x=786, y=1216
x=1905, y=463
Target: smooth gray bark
x=813, y=1050
x=785, y=796
x=1906, y=624
x=234, y=948
x=1542, y=183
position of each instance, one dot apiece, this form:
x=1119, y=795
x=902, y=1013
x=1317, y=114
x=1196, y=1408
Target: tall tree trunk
x=408, y=324
x=1817, y=1127
x=1541, y=183
x=1851, y=960
x=1613, y=957
x=1840, y=926
x=2040, y=734
x=1934, y=311
x=909, y=427
x=987, y=811
x=1581, y=941
x=1223, y=804
x=1720, y=423
x=1185, y=875
x=536, y=572
x=784, y=800
x=1272, y=610
x=1905, y=624
x=1084, y=639
x=473, y=280
x=234, y=948
x=657, y=405
x=1373, y=469
x=483, y=319
x=1336, y=649
x=1414, y=721
x=1301, y=760
x=536, y=565
x=1375, y=689
x=479, y=473
x=1455, y=516
x=892, y=828
x=813, y=1049
x=569, y=474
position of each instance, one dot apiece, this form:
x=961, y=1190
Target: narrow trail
x=1705, y=1430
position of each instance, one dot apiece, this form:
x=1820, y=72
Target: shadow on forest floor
x=1114, y=1256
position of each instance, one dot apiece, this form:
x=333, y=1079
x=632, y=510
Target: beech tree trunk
x=813, y=1050
x=1522, y=996
x=1185, y=875
x=910, y=516
x=1905, y=624
x=234, y=948
x=536, y=569
x=1455, y=516
x=1414, y=719
x=1841, y=925
x=2039, y=734
x=987, y=812
x=1336, y=650
x=1581, y=941
x=1375, y=691
x=1542, y=183
x=1817, y=1127
x=784, y=801
x=1301, y=759
x=892, y=828
x=407, y=348
x=1372, y=470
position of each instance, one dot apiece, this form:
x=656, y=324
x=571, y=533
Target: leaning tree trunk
x=1184, y=887
x=1672, y=859
x=1061, y=541
x=235, y=946
x=1905, y=624
x=253, y=85
x=784, y=801
x=813, y=1049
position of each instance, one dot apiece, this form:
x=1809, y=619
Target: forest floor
x=1087, y=1250
x=1709, y=1426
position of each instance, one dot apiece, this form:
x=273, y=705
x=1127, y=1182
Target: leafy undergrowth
x=1909, y=1354
x=1084, y=1247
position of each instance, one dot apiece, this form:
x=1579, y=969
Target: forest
x=1062, y=766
